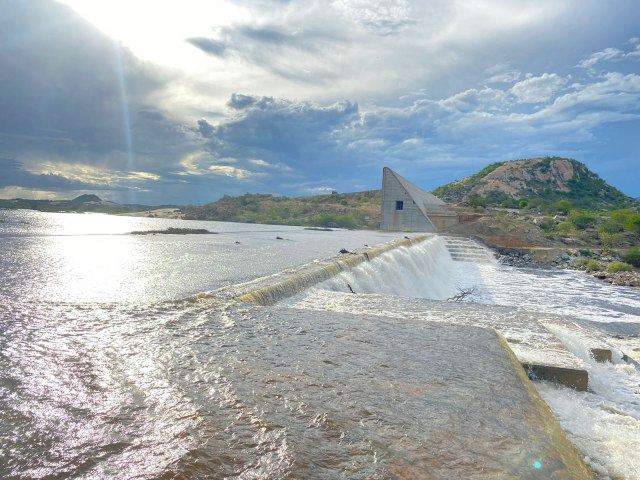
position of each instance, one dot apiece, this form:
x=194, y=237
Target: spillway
x=417, y=279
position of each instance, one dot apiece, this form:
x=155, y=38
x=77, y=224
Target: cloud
x=610, y=55
x=291, y=97
x=605, y=55
x=272, y=139
x=279, y=130
x=72, y=95
x=386, y=17
x=229, y=171
x=284, y=50
x=13, y=174
x=208, y=45
x=538, y=89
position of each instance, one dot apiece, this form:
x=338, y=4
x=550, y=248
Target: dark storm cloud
x=205, y=129
x=281, y=130
x=12, y=173
x=269, y=140
x=67, y=91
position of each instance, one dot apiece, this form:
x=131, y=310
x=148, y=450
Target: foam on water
x=418, y=271
x=604, y=423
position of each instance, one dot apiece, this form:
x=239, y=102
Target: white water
x=421, y=271
x=603, y=423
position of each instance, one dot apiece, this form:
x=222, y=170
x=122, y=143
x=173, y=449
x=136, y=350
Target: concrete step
x=461, y=405
x=539, y=351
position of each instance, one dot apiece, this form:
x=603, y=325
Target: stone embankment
x=628, y=279
x=569, y=261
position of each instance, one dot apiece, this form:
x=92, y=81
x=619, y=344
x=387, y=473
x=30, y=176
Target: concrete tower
x=407, y=207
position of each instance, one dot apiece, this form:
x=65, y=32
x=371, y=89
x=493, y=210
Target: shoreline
x=521, y=256
x=522, y=259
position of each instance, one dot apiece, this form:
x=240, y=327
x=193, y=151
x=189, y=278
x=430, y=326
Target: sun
x=156, y=31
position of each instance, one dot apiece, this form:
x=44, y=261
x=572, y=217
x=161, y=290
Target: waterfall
x=425, y=270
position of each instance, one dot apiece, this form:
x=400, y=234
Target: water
x=604, y=423
x=113, y=366
x=91, y=258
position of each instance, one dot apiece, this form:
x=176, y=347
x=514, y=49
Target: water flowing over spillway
x=603, y=421
x=423, y=270
x=115, y=364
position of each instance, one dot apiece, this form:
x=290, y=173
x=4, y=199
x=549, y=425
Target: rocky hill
x=538, y=181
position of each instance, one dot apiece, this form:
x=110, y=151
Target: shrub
x=561, y=206
x=547, y=224
x=564, y=227
x=632, y=223
x=619, y=267
x=509, y=203
x=523, y=204
x=478, y=201
x=610, y=226
x=582, y=218
x=610, y=240
x=590, y=265
x=633, y=257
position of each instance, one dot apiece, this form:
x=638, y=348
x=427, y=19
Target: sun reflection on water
x=85, y=270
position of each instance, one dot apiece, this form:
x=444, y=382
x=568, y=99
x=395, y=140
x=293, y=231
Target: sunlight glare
x=156, y=31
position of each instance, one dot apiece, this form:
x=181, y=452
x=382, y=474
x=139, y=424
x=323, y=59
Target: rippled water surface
x=112, y=365
x=93, y=258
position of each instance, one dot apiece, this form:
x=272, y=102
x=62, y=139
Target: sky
x=182, y=102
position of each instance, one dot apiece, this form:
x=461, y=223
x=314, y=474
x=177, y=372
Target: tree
x=561, y=206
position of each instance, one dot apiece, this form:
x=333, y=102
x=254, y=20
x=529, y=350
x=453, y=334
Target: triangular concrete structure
x=407, y=207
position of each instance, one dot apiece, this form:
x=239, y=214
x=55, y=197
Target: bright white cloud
x=605, y=55
x=229, y=171
x=538, y=89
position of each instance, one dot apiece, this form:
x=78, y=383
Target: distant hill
x=537, y=181
x=83, y=203
x=338, y=210
x=86, y=199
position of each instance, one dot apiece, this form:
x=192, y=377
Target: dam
x=163, y=356
x=389, y=282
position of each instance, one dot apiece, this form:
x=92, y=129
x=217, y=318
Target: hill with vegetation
x=83, y=203
x=545, y=206
x=538, y=183
x=338, y=210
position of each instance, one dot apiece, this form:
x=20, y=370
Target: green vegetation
x=564, y=227
x=633, y=257
x=582, y=218
x=462, y=186
x=347, y=210
x=478, y=201
x=561, y=206
x=541, y=183
x=590, y=265
x=619, y=267
x=83, y=203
